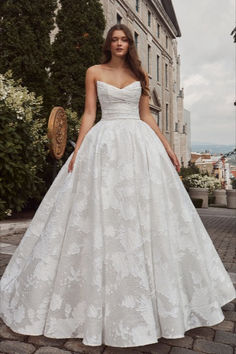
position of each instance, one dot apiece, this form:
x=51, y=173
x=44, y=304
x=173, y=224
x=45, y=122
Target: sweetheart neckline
x=118, y=88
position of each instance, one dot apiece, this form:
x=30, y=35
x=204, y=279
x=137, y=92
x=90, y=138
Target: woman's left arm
x=148, y=118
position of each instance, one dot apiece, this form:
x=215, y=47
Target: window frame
x=136, y=37
x=158, y=67
x=149, y=18
x=118, y=18
x=167, y=117
x=166, y=75
x=149, y=56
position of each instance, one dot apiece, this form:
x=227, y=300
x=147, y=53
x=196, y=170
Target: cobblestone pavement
x=220, y=339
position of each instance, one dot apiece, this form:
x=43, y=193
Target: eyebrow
x=121, y=37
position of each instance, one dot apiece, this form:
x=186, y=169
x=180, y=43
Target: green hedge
x=23, y=146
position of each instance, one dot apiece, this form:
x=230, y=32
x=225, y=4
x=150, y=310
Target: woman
x=120, y=70
x=116, y=252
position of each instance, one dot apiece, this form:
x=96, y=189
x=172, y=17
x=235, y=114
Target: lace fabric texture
x=116, y=252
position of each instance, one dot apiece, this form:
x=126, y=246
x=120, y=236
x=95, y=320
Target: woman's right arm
x=89, y=114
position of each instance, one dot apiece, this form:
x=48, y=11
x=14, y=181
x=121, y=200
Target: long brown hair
x=132, y=58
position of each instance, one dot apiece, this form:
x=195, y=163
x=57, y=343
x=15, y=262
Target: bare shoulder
x=94, y=70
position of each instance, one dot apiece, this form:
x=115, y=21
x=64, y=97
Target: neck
x=118, y=63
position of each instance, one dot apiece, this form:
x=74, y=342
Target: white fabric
x=116, y=252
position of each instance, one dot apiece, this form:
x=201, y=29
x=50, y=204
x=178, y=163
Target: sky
x=207, y=52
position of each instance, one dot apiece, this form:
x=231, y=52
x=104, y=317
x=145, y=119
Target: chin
x=120, y=54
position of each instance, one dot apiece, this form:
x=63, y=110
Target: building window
x=184, y=129
x=149, y=52
x=118, y=18
x=158, y=68
x=136, y=39
x=166, y=75
x=167, y=117
x=158, y=30
x=137, y=5
x=166, y=42
x=158, y=118
x=149, y=18
x=176, y=126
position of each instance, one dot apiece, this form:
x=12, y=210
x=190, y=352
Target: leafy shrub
x=23, y=146
x=197, y=180
x=191, y=169
x=233, y=182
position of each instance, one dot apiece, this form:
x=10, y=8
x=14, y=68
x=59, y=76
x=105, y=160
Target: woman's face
x=119, y=43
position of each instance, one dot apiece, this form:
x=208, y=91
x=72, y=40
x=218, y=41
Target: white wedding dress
x=116, y=252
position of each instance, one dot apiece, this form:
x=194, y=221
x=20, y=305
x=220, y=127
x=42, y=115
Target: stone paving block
x=12, y=239
x=201, y=332
x=229, y=307
x=51, y=350
x=16, y=347
x=76, y=345
x=230, y=315
x=114, y=350
x=7, y=333
x=42, y=340
x=177, y=350
x=156, y=348
x=212, y=347
x=225, y=326
x=225, y=337
x=230, y=267
x=185, y=342
x=7, y=228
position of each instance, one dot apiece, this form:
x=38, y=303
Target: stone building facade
x=155, y=29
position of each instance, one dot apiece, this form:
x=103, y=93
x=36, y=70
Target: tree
x=191, y=169
x=77, y=46
x=23, y=148
x=25, y=27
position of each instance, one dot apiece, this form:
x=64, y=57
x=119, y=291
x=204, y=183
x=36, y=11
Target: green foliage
x=22, y=146
x=55, y=73
x=233, y=182
x=191, y=169
x=201, y=181
x=77, y=46
x=25, y=44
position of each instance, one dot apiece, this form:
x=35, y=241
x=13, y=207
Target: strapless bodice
x=119, y=103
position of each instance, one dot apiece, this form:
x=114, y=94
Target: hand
x=71, y=164
x=174, y=159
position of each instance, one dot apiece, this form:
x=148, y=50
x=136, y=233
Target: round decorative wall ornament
x=57, y=132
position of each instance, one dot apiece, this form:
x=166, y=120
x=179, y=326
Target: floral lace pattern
x=116, y=252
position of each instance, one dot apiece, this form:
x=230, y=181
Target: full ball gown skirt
x=116, y=252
